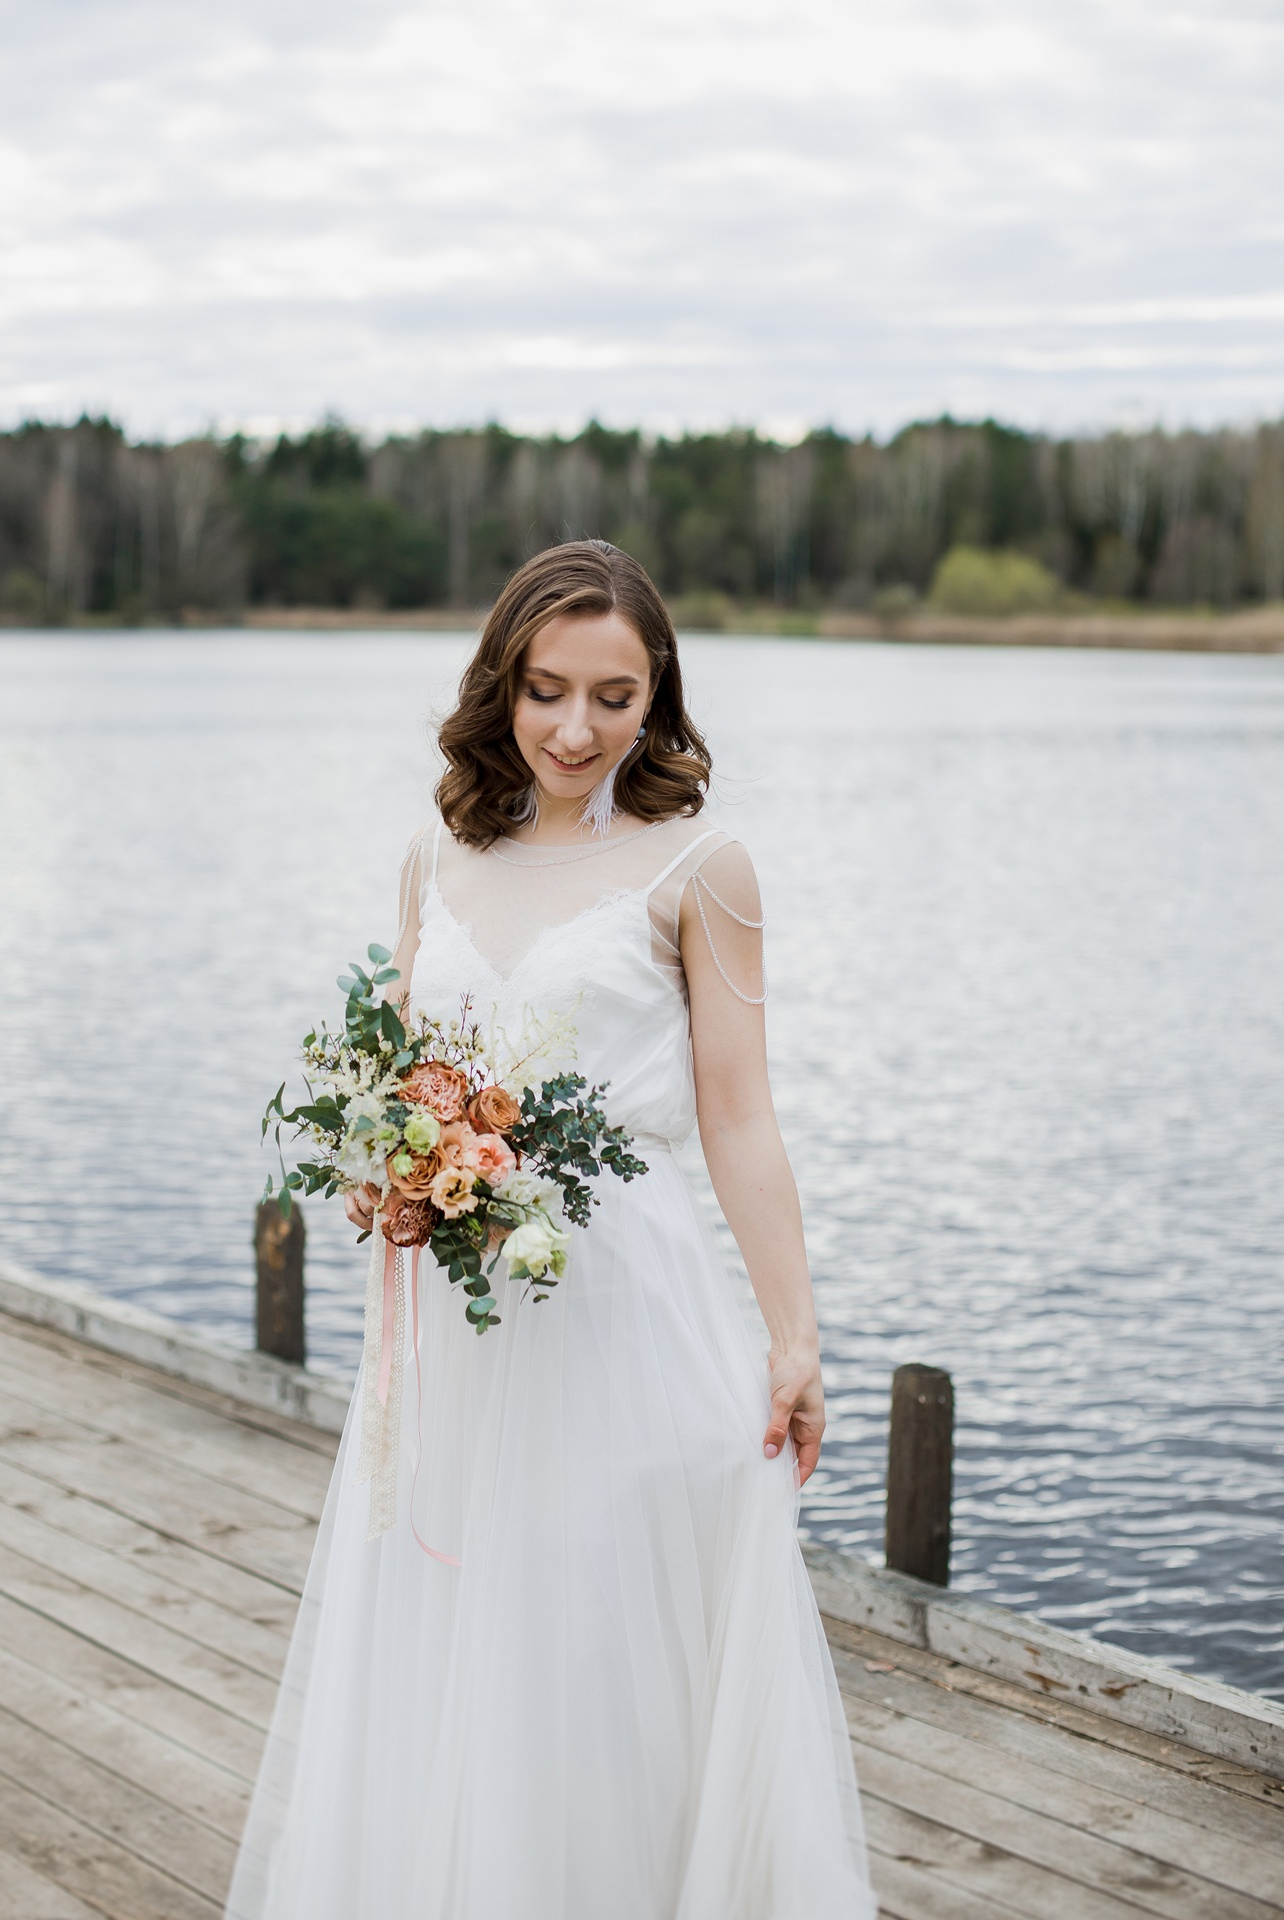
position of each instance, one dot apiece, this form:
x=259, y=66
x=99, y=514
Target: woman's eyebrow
x=614, y=680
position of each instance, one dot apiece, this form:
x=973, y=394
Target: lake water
x=1027, y=1025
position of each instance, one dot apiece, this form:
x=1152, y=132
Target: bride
x=577, y=1673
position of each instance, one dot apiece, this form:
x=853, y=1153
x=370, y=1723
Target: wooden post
x=278, y=1259
x=920, y=1462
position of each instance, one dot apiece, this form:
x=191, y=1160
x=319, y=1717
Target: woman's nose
x=576, y=729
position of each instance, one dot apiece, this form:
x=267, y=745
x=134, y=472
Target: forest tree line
x=93, y=525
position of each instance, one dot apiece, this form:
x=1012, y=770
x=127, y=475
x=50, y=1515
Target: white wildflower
x=544, y=1047
x=523, y=1189
x=362, y=1158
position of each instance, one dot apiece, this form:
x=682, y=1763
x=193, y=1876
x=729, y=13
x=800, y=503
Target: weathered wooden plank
x=169, y=1656
x=1100, y=1865
x=157, y=1600
x=21, y=1341
x=953, y=1862
x=164, y=1836
x=906, y=1892
x=223, y=1450
x=114, y=1327
x=1048, y=1710
x=247, y=1595
x=1199, y=1803
x=150, y=1760
x=27, y=1895
x=95, y=1869
x=1230, y=1863
x=130, y=1690
x=220, y=1520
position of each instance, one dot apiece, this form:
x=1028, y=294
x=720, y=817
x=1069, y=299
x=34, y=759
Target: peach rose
x=495, y=1158
x=458, y=1146
x=411, y=1174
x=452, y=1191
x=440, y=1088
x=492, y=1110
x=408, y=1223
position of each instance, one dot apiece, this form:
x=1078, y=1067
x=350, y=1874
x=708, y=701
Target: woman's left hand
x=797, y=1409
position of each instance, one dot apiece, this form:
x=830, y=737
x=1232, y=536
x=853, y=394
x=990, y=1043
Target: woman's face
x=582, y=695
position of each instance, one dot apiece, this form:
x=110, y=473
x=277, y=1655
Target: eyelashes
x=550, y=699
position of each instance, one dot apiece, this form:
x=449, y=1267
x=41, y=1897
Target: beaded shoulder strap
x=700, y=887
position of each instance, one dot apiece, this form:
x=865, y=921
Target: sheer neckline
x=464, y=928
x=565, y=853
x=544, y=902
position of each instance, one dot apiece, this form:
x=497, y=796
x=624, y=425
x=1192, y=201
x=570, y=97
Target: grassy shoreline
x=1256, y=630
x=1250, y=630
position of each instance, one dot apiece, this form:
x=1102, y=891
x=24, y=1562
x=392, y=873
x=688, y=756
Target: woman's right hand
x=359, y=1209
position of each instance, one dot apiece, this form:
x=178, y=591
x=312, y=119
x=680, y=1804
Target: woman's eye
x=619, y=705
x=533, y=693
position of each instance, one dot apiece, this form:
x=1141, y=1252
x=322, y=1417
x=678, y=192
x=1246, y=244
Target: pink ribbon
x=385, y=1373
x=447, y=1559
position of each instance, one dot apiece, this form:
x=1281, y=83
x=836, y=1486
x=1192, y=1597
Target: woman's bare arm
x=742, y=1145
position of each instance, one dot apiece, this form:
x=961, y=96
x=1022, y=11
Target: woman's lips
x=572, y=766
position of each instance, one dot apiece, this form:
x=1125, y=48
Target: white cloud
x=666, y=210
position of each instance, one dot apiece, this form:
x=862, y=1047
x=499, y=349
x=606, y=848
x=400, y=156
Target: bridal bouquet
x=451, y=1137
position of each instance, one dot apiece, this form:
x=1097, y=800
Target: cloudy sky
x=666, y=212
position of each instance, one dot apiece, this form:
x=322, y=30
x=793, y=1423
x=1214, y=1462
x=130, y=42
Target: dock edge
x=1239, y=1727
x=1215, y=1719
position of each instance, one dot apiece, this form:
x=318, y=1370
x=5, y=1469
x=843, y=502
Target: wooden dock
x=154, y=1536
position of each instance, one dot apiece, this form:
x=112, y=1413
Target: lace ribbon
x=382, y=1372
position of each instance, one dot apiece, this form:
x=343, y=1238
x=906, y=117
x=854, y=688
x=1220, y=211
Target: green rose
x=423, y=1131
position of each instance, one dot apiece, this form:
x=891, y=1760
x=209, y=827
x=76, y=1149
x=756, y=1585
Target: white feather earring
x=599, y=809
x=528, y=807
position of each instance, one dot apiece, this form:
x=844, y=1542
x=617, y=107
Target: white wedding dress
x=619, y=1704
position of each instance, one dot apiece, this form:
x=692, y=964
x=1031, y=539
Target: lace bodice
x=591, y=931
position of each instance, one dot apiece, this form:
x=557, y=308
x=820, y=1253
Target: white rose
x=533, y=1247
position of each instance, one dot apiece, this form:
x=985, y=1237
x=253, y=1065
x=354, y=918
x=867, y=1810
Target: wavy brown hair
x=487, y=783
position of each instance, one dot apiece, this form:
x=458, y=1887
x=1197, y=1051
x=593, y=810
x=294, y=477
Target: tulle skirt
x=620, y=1704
